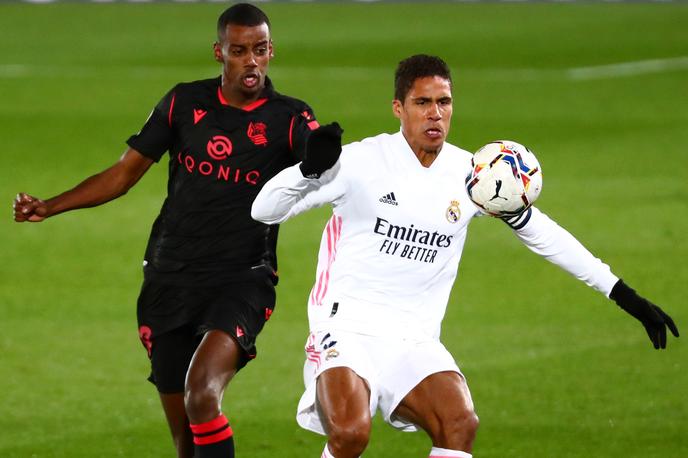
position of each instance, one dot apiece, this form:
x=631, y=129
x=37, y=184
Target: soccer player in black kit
x=209, y=268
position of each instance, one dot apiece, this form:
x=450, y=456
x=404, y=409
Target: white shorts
x=391, y=367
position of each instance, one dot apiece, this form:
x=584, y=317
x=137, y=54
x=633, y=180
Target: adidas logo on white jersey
x=389, y=199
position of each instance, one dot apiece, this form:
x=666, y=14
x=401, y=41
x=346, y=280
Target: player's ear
x=217, y=52
x=397, y=107
x=271, y=49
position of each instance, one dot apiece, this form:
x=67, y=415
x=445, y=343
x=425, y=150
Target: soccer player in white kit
x=387, y=262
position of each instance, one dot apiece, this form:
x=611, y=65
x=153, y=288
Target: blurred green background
x=556, y=370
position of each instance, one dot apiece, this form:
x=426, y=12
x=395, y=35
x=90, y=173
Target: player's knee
x=458, y=430
x=348, y=439
x=201, y=402
x=470, y=423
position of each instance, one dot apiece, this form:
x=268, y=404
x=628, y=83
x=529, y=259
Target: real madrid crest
x=331, y=353
x=453, y=212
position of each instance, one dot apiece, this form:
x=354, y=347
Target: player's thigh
x=344, y=360
x=436, y=400
x=215, y=361
x=342, y=398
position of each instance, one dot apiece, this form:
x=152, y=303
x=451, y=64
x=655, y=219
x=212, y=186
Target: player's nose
x=251, y=60
x=434, y=112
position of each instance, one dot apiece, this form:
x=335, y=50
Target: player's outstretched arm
x=323, y=147
x=655, y=320
x=95, y=190
x=546, y=238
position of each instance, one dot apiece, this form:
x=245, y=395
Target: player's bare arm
x=98, y=189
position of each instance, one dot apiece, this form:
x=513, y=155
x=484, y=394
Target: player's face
x=425, y=114
x=245, y=53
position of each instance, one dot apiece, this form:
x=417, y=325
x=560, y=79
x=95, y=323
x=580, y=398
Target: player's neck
x=426, y=158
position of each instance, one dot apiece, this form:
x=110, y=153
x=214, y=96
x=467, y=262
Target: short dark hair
x=241, y=14
x=418, y=66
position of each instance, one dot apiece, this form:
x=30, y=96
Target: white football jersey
x=390, y=252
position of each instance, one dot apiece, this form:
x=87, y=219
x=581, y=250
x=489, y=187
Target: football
x=505, y=178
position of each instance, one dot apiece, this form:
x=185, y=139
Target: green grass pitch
x=556, y=370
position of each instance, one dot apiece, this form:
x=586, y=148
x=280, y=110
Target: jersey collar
x=409, y=157
x=267, y=92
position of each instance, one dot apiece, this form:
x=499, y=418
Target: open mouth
x=250, y=80
x=433, y=133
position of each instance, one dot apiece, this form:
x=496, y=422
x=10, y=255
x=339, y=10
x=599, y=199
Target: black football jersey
x=219, y=158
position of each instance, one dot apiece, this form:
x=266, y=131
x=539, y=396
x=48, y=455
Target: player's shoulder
x=370, y=148
x=368, y=145
x=204, y=85
x=290, y=103
x=194, y=92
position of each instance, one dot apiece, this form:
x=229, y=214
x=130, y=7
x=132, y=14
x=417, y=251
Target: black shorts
x=173, y=319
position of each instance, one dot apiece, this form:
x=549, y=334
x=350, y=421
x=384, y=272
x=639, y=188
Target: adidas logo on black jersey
x=389, y=199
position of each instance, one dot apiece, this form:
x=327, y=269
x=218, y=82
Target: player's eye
x=262, y=51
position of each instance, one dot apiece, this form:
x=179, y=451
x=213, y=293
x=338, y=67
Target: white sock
x=326, y=453
x=437, y=452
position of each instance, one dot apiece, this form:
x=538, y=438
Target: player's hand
x=29, y=208
x=323, y=148
x=651, y=316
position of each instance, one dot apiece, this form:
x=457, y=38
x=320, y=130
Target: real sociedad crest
x=453, y=212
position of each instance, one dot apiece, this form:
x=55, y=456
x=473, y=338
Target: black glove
x=652, y=317
x=323, y=148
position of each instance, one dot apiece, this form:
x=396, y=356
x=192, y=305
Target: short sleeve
x=155, y=138
x=302, y=124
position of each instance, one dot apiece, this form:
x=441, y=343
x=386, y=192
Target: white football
x=505, y=178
